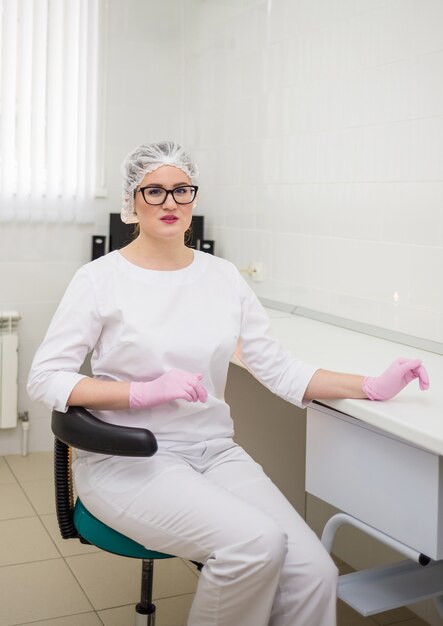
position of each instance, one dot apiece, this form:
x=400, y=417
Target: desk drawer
x=383, y=481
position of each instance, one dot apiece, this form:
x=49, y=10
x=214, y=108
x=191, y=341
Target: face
x=168, y=220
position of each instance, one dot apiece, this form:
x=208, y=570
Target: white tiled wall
x=318, y=127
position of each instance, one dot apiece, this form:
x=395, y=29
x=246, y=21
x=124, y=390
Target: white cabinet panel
x=386, y=482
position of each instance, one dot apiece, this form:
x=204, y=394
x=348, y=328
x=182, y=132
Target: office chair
x=78, y=428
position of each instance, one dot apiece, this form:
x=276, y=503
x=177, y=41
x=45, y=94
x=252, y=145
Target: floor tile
x=393, y=617
x=41, y=495
x=169, y=612
x=107, y=580
x=120, y=615
x=24, y=540
x=343, y=567
x=6, y=476
x=111, y=581
x=14, y=503
x=66, y=547
x=39, y=591
x=34, y=466
x=173, y=611
x=81, y=619
x=192, y=567
x=417, y=621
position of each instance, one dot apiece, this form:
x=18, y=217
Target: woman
x=163, y=322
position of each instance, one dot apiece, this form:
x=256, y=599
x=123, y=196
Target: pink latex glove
x=174, y=385
x=395, y=378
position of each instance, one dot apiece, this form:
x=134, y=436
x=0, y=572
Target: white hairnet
x=145, y=159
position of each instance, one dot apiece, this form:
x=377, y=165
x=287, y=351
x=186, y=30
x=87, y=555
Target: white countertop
x=413, y=415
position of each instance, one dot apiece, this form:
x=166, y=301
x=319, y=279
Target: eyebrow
x=173, y=187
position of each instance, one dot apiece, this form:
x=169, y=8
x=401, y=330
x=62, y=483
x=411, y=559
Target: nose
x=169, y=202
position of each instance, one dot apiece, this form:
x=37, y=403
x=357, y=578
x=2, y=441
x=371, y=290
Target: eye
x=154, y=191
x=181, y=191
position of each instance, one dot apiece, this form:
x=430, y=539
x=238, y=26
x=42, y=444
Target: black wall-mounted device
x=120, y=234
x=98, y=246
x=197, y=229
x=207, y=245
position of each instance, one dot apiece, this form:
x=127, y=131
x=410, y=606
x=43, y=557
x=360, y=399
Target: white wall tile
x=397, y=30
x=241, y=207
x=427, y=18
x=426, y=267
x=291, y=269
x=347, y=136
x=244, y=246
x=414, y=214
x=275, y=209
x=354, y=308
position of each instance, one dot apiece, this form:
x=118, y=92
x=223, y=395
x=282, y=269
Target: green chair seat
x=106, y=538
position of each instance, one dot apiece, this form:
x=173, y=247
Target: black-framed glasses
x=157, y=195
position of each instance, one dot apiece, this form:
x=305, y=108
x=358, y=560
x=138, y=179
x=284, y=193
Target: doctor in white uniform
x=162, y=322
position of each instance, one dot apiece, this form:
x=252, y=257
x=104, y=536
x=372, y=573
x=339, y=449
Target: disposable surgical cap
x=145, y=159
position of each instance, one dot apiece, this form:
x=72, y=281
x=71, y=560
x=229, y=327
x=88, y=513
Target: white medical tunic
x=140, y=323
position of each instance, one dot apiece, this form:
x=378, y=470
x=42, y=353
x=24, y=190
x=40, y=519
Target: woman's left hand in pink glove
x=395, y=378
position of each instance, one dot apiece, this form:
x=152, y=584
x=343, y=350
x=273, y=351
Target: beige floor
x=46, y=581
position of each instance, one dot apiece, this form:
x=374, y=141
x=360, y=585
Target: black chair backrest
x=64, y=491
x=81, y=429
x=78, y=428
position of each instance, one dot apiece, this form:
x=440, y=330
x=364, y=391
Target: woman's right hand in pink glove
x=174, y=385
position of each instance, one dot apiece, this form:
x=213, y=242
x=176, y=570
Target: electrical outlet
x=256, y=271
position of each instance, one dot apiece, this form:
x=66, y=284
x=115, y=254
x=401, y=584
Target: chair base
x=144, y=619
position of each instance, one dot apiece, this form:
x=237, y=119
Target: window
x=48, y=109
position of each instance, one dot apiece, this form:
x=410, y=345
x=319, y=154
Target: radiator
x=8, y=368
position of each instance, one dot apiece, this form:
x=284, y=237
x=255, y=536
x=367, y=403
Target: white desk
x=413, y=415
x=380, y=462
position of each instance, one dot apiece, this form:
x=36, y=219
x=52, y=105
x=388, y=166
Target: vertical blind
x=48, y=109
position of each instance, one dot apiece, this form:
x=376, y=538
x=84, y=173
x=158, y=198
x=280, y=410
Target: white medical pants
x=210, y=502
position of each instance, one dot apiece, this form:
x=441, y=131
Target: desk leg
x=337, y=520
x=390, y=586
